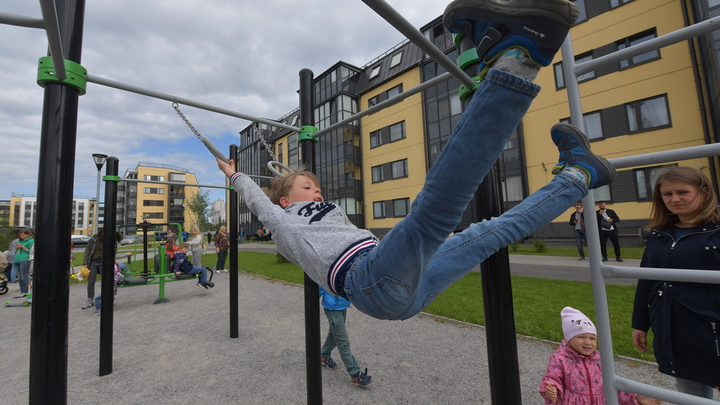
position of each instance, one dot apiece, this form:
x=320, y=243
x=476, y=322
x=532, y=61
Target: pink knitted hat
x=575, y=322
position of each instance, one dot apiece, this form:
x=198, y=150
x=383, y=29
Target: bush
x=515, y=246
x=540, y=246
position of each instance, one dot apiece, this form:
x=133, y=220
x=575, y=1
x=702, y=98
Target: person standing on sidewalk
x=577, y=221
x=222, y=245
x=607, y=223
x=336, y=313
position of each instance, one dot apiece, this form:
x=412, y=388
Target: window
x=647, y=114
x=153, y=203
x=389, y=134
x=397, y=131
x=389, y=171
x=385, y=95
x=399, y=169
x=177, y=177
x=560, y=72
x=639, y=59
x=375, y=72
x=377, y=174
x=593, y=124
x=397, y=208
x=151, y=190
x=618, y=3
x=602, y=193
x=583, y=11
x=396, y=59
x=154, y=178
x=645, y=179
x=156, y=215
x=280, y=152
x=379, y=209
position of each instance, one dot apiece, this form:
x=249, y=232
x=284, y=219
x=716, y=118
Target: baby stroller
x=3, y=284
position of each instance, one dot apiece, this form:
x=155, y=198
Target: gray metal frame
x=598, y=270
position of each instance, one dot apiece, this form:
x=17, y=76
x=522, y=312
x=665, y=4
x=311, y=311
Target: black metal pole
x=56, y=171
x=497, y=293
x=108, y=264
x=312, y=295
x=234, y=289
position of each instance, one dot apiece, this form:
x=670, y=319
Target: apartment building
x=661, y=100
x=153, y=199
x=23, y=213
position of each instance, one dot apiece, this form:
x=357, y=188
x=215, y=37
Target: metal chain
x=265, y=144
x=255, y=128
x=192, y=128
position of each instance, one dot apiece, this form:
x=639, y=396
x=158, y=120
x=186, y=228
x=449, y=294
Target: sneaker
x=87, y=305
x=582, y=258
x=619, y=260
x=537, y=27
x=328, y=362
x=575, y=151
x=201, y=285
x=209, y=284
x=604, y=259
x=97, y=312
x=361, y=379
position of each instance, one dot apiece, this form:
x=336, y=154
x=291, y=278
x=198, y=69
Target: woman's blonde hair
x=281, y=186
x=708, y=212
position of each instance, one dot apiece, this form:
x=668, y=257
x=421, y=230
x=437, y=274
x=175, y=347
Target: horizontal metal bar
x=682, y=34
x=384, y=10
x=21, y=20
x=666, y=156
x=180, y=100
x=655, y=273
x=675, y=397
x=387, y=103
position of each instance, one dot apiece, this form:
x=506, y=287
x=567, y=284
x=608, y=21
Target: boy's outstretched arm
x=227, y=168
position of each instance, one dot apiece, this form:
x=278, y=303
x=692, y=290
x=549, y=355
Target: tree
x=199, y=205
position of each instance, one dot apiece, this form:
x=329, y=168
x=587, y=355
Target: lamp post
x=99, y=159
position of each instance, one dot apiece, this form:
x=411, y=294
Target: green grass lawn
x=536, y=302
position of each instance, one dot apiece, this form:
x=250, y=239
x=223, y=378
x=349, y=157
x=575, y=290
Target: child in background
x=117, y=280
x=574, y=375
x=183, y=266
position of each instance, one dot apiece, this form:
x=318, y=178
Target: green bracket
x=457, y=38
x=111, y=178
x=76, y=74
x=230, y=188
x=466, y=91
x=306, y=133
x=468, y=58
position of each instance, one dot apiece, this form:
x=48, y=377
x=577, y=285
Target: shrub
x=540, y=246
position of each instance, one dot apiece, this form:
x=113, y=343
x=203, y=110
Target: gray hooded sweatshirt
x=316, y=236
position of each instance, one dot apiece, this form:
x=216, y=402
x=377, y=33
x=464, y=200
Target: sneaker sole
x=560, y=11
x=585, y=143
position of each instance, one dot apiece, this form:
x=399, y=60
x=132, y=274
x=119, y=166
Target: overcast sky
x=243, y=56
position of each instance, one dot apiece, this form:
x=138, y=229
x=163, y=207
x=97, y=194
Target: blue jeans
x=338, y=337
x=694, y=388
x=201, y=270
x=13, y=273
x=579, y=238
x=22, y=269
x=415, y=261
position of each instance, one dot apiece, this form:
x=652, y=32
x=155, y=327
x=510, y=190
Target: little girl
x=574, y=375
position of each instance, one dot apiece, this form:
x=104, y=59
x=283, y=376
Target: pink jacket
x=578, y=379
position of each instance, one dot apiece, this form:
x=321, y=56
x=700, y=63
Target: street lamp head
x=99, y=159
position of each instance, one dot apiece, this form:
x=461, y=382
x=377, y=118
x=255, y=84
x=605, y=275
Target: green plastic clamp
x=76, y=74
x=457, y=38
x=111, y=178
x=468, y=58
x=306, y=133
x=465, y=91
x=230, y=188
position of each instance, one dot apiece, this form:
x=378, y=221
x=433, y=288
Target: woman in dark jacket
x=684, y=233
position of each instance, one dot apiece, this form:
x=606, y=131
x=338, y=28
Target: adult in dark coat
x=607, y=224
x=684, y=233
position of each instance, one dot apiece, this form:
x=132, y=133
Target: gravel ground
x=180, y=352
